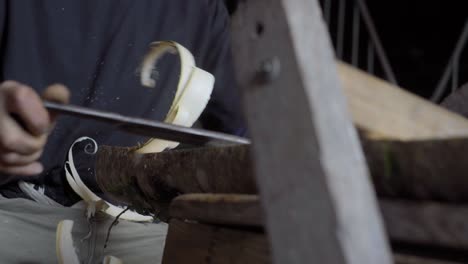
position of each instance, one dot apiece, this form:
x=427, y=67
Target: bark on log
x=419, y=170
x=151, y=181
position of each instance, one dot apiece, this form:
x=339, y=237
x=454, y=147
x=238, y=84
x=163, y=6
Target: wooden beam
x=189, y=242
x=407, y=259
x=419, y=170
x=382, y=108
x=318, y=202
x=427, y=223
x=221, y=209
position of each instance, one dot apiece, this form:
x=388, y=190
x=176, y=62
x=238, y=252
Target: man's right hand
x=24, y=126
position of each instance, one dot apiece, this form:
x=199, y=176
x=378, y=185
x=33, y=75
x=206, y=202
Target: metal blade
x=146, y=127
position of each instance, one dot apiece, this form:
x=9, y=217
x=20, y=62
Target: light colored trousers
x=28, y=229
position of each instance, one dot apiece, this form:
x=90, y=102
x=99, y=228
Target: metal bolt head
x=269, y=70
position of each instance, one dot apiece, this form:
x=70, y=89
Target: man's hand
x=24, y=126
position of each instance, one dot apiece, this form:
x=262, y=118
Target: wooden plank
x=406, y=259
x=222, y=209
x=427, y=223
x=420, y=223
x=419, y=170
x=204, y=244
x=390, y=111
x=190, y=242
x=318, y=202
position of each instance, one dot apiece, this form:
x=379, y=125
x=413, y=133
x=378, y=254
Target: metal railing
x=452, y=70
x=375, y=51
x=336, y=14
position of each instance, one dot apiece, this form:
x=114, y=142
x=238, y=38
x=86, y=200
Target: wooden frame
x=314, y=186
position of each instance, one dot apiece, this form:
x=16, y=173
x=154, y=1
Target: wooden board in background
x=406, y=259
x=436, y=225
x=389, y=111
x=189, y=242
x=221, y=209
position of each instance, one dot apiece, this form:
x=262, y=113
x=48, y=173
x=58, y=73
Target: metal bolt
x=269, y=70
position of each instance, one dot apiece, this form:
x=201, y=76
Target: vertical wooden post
x=315, y=190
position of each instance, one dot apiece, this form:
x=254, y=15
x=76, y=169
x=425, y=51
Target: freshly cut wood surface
x=189, y=242
x=381, y=108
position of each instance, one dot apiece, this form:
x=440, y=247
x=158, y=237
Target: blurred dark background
x=419, y=37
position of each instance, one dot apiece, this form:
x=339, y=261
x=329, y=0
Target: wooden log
x=221, y=209
x=151, y=181
x=418, y=170
x=189, y=242
x=384, y=109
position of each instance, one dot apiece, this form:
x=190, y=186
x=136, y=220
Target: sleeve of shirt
x=224, y=112
x=3, y=8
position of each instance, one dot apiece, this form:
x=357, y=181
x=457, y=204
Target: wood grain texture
x=392, y=112
x=419, y=170
x=151, y=181
x=432, y=224
x=318, y=202
x=205, y=244
x=221, y=209
x=406, y=259
x=427, y=223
